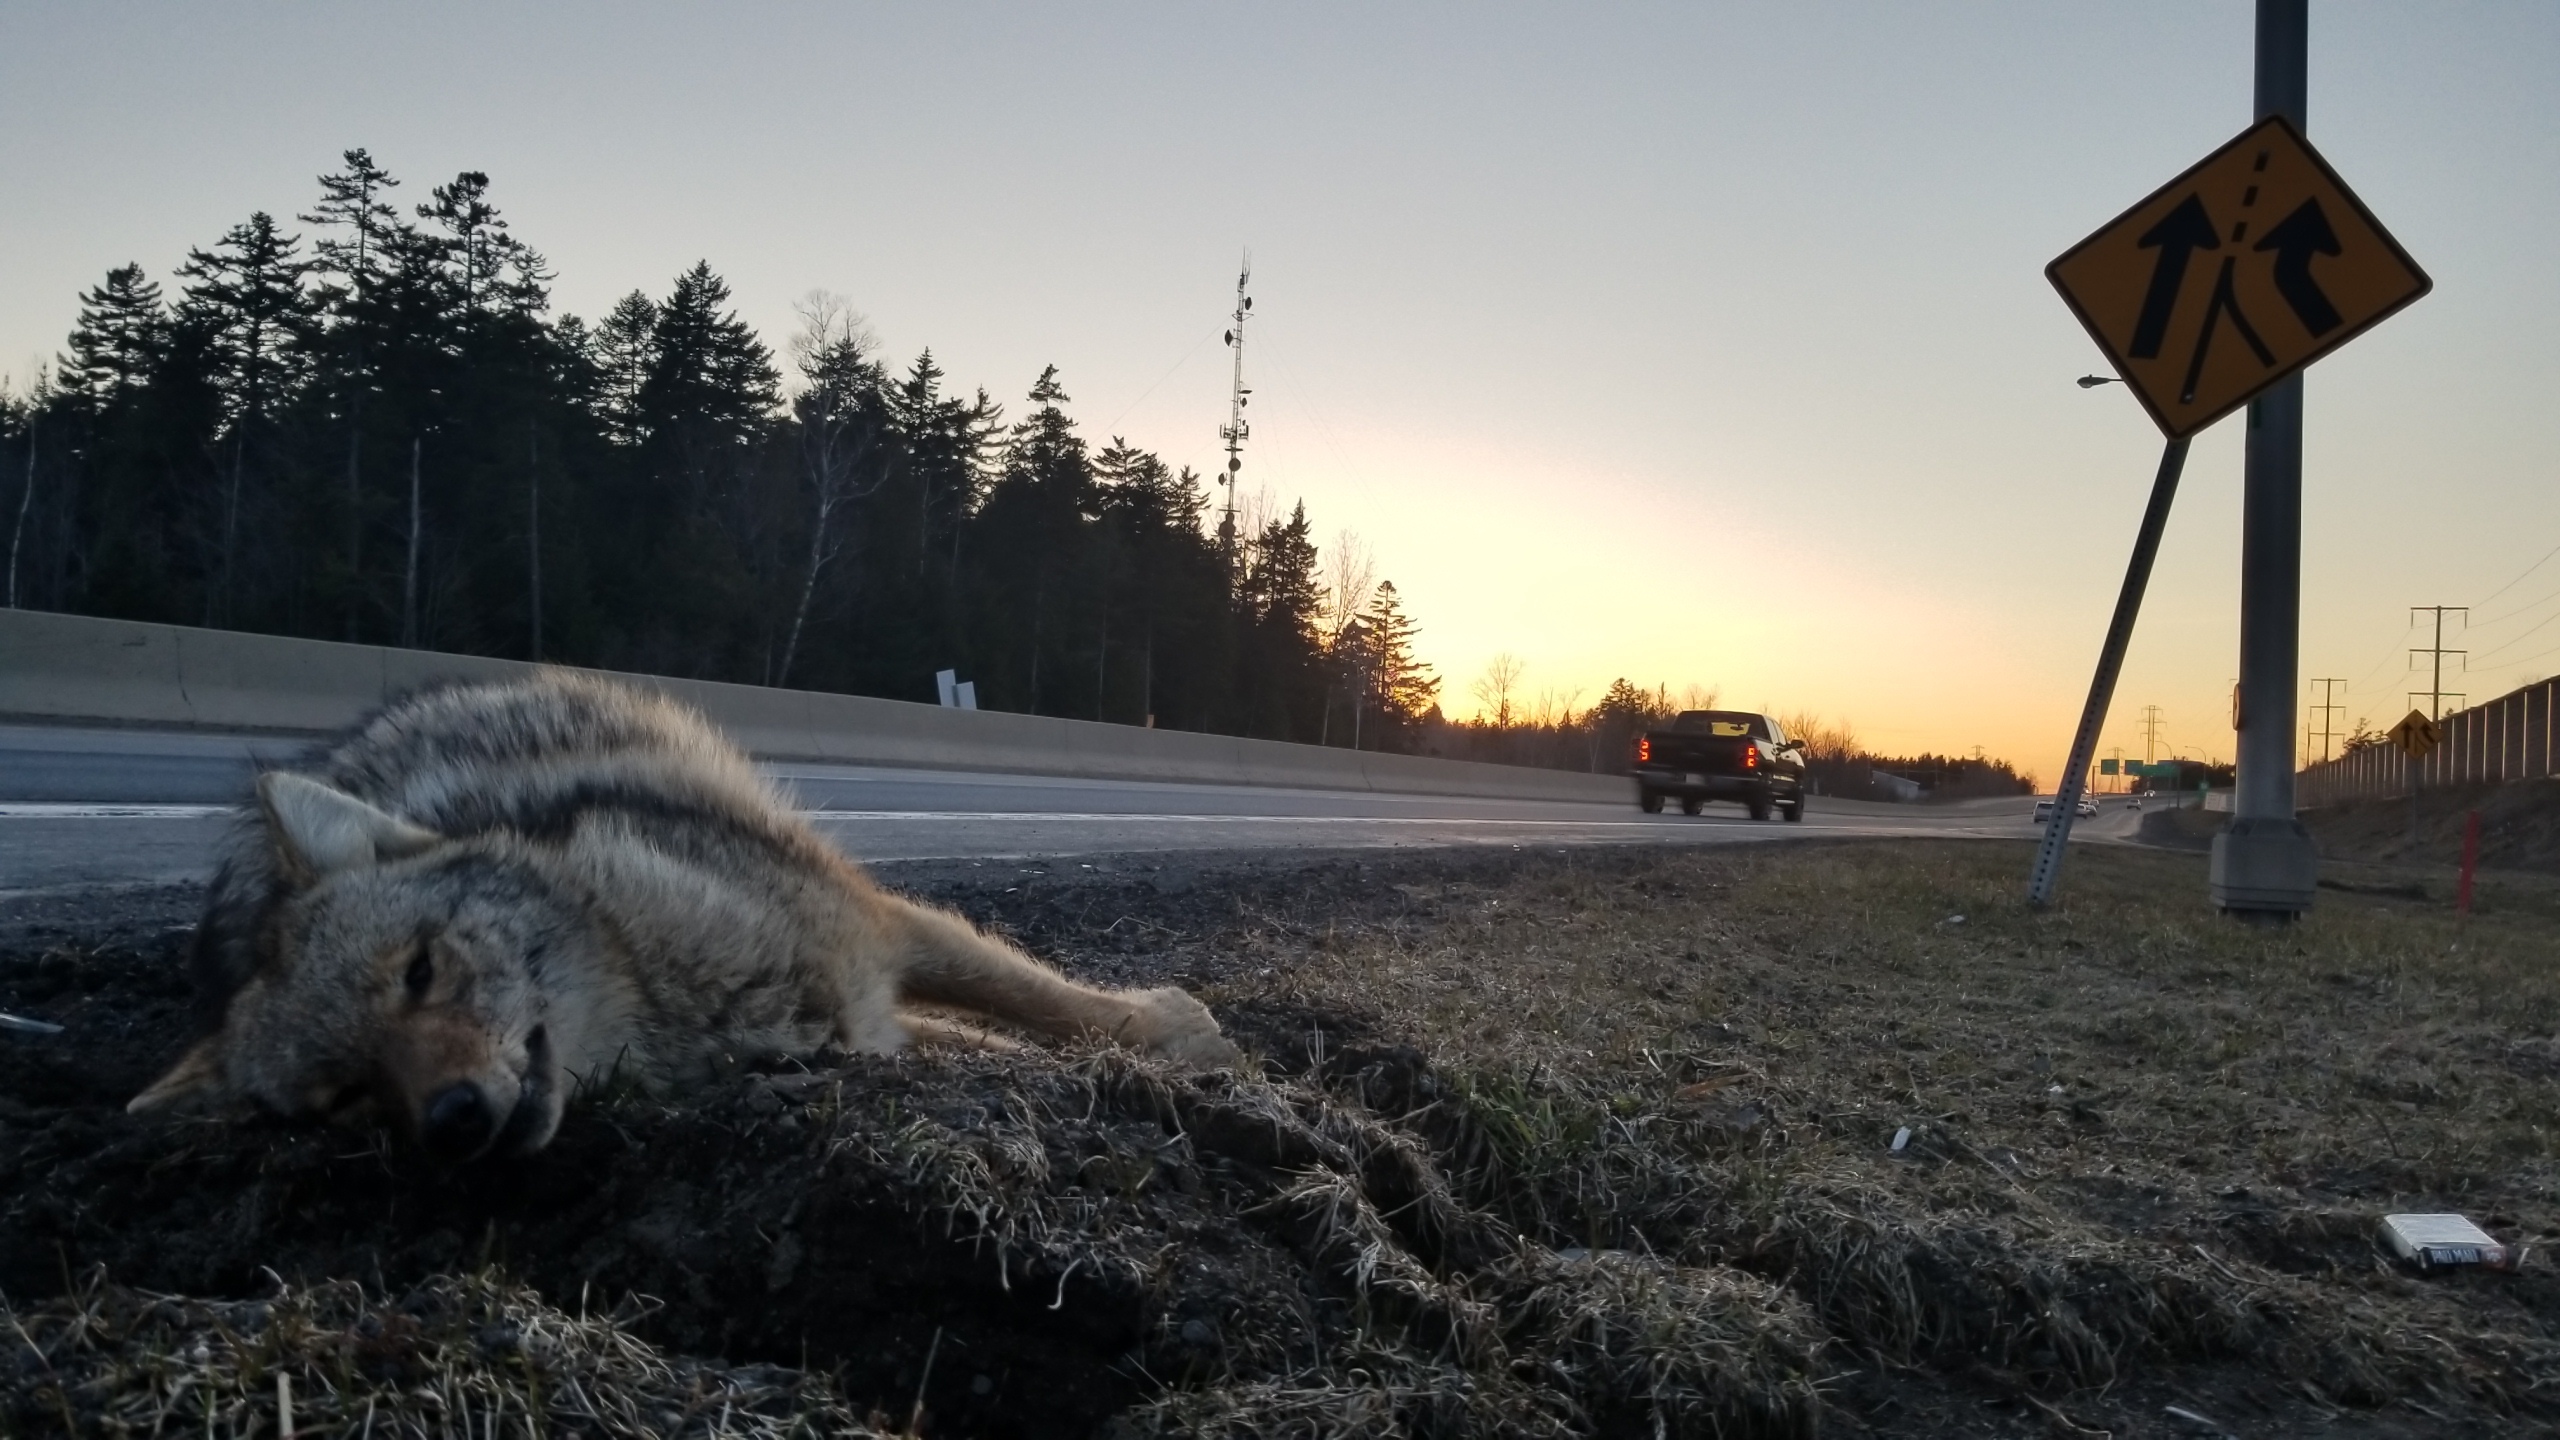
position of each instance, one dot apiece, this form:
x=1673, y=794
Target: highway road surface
x=87, y=807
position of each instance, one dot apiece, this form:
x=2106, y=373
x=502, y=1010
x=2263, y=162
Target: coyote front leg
x=949, y=963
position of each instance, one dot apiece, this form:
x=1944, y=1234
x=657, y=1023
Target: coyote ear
x=198, y=1072
x=321, y=830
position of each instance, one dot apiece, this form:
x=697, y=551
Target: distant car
x=2087, y=809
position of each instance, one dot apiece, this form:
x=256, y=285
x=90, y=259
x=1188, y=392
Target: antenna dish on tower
x=1235, y=430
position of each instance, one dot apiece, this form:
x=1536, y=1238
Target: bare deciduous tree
x=1553, y=708
x=1824, y=742
x=1497, y=690
x=833, y=352
x=1350, y=573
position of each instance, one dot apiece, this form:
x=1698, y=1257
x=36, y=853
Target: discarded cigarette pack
x=2429, y=1241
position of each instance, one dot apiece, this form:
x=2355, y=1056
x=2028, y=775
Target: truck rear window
x=1723, y=724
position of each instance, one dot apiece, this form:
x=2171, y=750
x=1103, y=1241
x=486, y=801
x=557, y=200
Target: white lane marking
x=1836, y=830
x=1089, y=816
x=64, y=810
x=50, y=810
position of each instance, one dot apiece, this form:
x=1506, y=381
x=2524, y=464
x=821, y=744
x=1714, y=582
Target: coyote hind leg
x=949, y=963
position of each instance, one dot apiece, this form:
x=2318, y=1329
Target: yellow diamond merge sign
x=2416, y=735
x=2254, y=263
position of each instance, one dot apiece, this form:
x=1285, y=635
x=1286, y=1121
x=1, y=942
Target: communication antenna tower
x=1235, y=430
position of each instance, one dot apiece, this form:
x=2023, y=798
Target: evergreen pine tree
x=352, y=208
x=248, y=298
x=1283, y=684
x=633, y=493
x=119, y=338
x=623, y=343
x=351, y=205
x=1399, y=684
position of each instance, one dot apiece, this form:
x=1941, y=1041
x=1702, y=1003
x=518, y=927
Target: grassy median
x=1587, y=1143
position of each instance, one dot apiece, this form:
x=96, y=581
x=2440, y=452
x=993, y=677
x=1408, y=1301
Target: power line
x=2151, y=721
x=2529, y=605
x=2383, y=659
x=1150, y=390
x=2529, y=659
x=1303, y=397
x=2436, y=692
x=2529, y=569
x=2520, y=636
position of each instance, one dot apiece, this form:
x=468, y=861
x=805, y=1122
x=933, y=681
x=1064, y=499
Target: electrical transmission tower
x=2435, y=692
x=2327, y=710
x=1235, y=430
x=2151, y=722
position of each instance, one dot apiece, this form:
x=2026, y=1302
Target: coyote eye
x=422, y=974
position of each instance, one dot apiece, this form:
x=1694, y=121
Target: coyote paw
x=1170, y=1023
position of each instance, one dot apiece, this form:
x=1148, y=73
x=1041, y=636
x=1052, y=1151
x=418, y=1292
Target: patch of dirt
x=1587, y=1143
x=2519, y=827
x=2519, y=831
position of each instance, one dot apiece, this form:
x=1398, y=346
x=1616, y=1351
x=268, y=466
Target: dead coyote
x=490, y=895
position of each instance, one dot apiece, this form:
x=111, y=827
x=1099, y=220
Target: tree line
x=1512, y=726
x=376, y=429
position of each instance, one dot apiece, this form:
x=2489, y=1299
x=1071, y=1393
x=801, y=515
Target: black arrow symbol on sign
x=2179, y=234
x=2225, y=301
x=2295, y=239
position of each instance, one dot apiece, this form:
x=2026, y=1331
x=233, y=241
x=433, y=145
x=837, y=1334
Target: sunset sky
x=1696, y=344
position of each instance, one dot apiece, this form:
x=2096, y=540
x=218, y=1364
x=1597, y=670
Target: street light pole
x=2264, y=865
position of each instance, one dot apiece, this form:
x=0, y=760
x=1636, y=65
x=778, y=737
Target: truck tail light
x=1644, y=749
x=1750, y=757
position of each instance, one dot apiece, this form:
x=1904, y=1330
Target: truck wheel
x=1760, y=807
x=1650, y=801
x=1691, y=804
x=1795, y=810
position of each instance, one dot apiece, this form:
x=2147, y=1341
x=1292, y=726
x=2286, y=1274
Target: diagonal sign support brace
x=2102, y=686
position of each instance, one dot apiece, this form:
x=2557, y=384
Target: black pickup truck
x=1705, y=755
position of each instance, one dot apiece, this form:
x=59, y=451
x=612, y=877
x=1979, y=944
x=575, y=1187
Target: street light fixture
x=2092, y=382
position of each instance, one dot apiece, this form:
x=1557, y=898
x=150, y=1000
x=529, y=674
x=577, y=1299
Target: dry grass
x=1400, y=1309
x=2141, y=1132
x=463, y=1356
x=1595, y=1145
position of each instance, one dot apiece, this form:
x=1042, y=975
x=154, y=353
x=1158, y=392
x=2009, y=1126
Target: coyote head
x=401, y=978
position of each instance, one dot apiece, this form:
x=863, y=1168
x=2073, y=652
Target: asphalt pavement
x=81, y=808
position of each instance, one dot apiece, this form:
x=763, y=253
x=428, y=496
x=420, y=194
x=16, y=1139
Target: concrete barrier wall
x=78, y=669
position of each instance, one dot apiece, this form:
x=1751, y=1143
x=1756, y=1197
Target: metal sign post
x=2264, y=864
x=2211, y=293
x=2415, y=736
x=2102, y=686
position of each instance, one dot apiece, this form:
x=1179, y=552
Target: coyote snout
x=493, y=896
